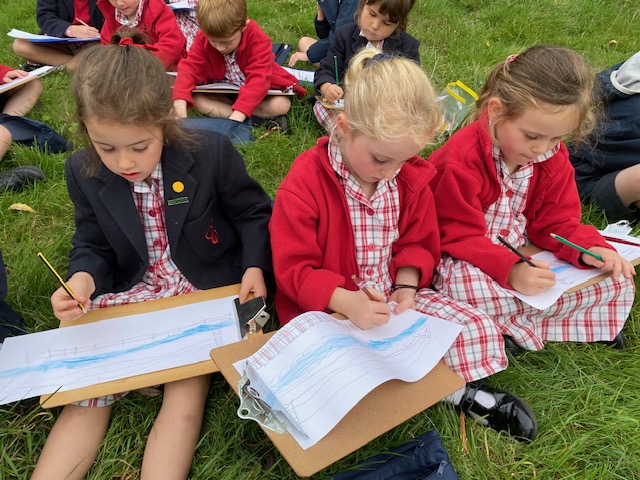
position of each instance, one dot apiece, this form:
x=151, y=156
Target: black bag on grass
x=423, y=458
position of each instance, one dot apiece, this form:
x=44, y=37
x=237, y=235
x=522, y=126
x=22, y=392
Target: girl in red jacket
x=154, y=18
x=359, y=203
x=508, y=174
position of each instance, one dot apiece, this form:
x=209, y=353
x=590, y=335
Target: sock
x=455, y=397
x=483, y=398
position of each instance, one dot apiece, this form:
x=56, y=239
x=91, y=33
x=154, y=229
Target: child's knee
x=21, y=47
x=278, y=105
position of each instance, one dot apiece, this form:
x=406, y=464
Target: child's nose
x=125, y=162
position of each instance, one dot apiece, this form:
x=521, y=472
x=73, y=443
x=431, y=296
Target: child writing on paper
x=231, y=48
x=158, y=213
x=331, y=14
x=61, y=18
x=359, y=203
x=508, y=174
x=380, y=24
x=154, y=18
x=18, y=101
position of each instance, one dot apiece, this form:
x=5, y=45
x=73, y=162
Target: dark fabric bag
x=423, y=458
x=235, y=131
x=33, y=133
x=281, y=52
x=10, y=322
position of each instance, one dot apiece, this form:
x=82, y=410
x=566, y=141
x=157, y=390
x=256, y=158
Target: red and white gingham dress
x=162, y=279
x=374, y=236
x=594, y=313
x=187, y=20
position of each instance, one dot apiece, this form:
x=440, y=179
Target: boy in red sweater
x=232, y=48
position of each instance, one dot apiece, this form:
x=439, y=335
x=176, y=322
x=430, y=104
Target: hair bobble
x=511, y=58
x=129, y=41
x=378, y=57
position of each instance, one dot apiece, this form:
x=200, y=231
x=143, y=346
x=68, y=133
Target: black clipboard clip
x=251, y=315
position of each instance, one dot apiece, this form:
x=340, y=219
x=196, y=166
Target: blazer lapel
x=179, y=192
x=117, y=199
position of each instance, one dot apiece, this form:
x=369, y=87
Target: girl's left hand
x=612, y=262
x=252, y=282
x=13, y=74
x=405, y=298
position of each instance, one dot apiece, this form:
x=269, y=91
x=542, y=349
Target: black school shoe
x=617, y=343
x=17, y=178
x=510, y=413
x=279, y=123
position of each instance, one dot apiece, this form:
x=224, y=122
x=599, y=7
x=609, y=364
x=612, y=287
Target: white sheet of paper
x=568, y=276
x=302, y=75
x=38, y=72
x=34, y=37
x=183, y=5
x=318, y=368
x=83, y=355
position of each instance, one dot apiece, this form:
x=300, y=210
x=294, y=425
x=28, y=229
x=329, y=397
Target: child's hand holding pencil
x=65, y=307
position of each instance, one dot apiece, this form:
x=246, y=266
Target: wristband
x=397, y=286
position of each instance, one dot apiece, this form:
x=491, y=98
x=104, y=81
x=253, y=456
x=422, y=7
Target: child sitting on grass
x=232, y=48
x=154, y=18
x=134, y=241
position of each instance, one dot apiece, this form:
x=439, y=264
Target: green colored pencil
x=577, y=247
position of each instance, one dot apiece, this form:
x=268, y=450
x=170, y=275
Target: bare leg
x=73, y=443
x=305, y=42
x=272, y=106
x=628, y=186
x=212, y=104
x=44, y=54
x=5, y=142
x=23, y=98
x=173, y=438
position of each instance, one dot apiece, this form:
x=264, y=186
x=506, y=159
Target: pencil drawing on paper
x=83, y=355
x=317, y=368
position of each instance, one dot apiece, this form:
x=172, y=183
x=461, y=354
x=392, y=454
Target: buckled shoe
x=509, y=414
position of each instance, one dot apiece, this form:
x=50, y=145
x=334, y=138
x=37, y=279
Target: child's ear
x=246, y=24
x=494, y=109
x=342, y=126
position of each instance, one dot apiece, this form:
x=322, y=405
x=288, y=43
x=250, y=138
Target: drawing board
x=148, y=379
x=374, y=415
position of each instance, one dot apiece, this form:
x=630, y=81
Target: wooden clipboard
x=374, y=415
x=532, y=250
x=148, y=379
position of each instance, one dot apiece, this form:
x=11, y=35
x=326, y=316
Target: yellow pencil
x=62, y=282
x=83, y=23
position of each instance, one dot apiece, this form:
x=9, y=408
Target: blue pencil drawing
x=78, y=356
x=316, y=368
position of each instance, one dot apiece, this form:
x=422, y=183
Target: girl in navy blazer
x=158, y=212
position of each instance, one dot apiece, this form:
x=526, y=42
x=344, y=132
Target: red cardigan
x=158, y=22
x=466, y=183
x=3, y=71
x=312, y=235
x=205, y=64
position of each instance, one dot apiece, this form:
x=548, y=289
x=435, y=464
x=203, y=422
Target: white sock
x=483, y=398
x=455, y=397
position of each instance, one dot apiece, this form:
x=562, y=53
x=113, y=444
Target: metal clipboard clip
x=252, y=408
x=251, y=315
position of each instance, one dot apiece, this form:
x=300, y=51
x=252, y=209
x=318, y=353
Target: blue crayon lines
x=311, y=359
x=73, y=363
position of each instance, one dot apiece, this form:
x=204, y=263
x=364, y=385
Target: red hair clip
x=511, y=58
x=129, y=41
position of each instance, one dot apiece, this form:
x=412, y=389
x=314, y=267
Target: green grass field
x=586, y=397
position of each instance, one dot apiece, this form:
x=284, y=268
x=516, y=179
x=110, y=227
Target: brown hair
x=541, y=75
x=124, y=84
x=398, y=10
x=221, y=18
x=390, y=98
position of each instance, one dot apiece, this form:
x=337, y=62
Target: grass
x=586, y=397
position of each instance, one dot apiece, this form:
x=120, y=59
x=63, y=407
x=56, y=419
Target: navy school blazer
x=217, y=226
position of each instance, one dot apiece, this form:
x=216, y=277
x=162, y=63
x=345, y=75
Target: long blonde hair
x=390, y=98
